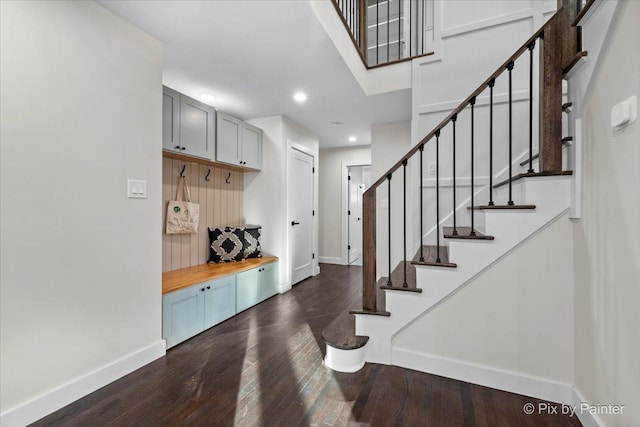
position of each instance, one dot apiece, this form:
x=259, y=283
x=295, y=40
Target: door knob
x=294, y=223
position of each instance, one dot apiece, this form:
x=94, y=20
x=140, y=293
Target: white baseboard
x=585, y=417
x=482, y=375
x=57, y=398
x=284, y=287
x=331, y=260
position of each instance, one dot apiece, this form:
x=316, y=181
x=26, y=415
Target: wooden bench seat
x=179, y=279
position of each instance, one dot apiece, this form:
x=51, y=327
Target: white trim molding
x=77, y=388
x=344, y=241
x=331, y=260
x=514, y=382
x=500, y=379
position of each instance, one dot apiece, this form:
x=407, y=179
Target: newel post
x=369, y=250
x=558, y=47
x=363, y=29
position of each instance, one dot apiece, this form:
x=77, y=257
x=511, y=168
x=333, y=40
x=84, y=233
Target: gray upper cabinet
x=170, y=119
x=251, y=146
x=238, y=143
x=228, y=149
x=188, y=126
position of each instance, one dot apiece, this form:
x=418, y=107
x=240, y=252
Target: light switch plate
x=136, y=189
x=624, y=113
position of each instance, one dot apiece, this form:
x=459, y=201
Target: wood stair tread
x=397, y=277
x=341, y=333
x=429, y=254
x=380, y=305
x=565, y=141
x=464, y=233
x=533, y=175
x=502, y=207
x=583, y=12
x=573, y=62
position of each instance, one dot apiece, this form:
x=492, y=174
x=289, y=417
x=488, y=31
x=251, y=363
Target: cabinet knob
x=182, y=148
x=208, y=287
x=202, y=289
x=177, y=147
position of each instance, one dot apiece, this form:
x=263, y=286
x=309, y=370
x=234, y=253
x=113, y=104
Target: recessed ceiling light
x=207, y=97
x=336, y=124
x=300, y=97
x=352, y=139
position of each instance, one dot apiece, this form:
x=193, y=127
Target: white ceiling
x=254, y=54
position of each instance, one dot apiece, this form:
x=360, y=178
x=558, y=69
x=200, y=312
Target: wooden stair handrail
x=465, y=103
x=556, y=55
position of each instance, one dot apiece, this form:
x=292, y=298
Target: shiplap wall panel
x=221, y=204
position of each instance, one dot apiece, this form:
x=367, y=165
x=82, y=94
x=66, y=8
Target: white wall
x=517, y=316
x=265, y=192
x=389, y=142
x=331, y=198
x=80, y=263
x=607, y=249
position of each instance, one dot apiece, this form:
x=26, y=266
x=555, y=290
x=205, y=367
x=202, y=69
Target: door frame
x=345, y=205
x=315, y=270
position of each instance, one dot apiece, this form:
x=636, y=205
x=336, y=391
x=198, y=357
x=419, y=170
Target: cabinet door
x=228, y=147
x=251, y=146
x=247, y=294
x=268, y=280
x=197, y=128
x=182, y=314
x=219, y=300
x=170, y=119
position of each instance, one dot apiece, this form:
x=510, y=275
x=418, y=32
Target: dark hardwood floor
x=264, y=368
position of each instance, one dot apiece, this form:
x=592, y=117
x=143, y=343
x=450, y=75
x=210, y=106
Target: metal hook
x=228, y=180
x=182, y=171
x=206, y=178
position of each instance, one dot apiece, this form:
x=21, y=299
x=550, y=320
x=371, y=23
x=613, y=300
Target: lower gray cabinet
x=219, y=301
x=189, y=311
x=254, y=286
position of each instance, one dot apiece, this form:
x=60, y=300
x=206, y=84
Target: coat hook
x=182, y=171
x=206, y=178
x=228, y=180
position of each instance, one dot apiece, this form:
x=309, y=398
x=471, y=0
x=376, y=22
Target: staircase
x=534, y=193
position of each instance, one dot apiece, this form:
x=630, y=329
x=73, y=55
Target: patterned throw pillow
x=226, y=245
x=252, y=241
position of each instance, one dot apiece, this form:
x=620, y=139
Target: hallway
x=264, y=367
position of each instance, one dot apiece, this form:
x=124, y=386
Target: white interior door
x=300, y=222
x=354, y=213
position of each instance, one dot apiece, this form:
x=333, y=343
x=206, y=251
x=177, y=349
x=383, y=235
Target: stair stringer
x=551, y=195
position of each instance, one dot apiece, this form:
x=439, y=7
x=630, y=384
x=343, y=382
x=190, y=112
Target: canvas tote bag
x=182, y=215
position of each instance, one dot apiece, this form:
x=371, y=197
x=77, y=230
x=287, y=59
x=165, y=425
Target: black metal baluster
x=438, y=196
x=492, y=83
x=472, y=102
x=510, y=68
x=377, y=31
x=530, y=47
x=389, y=282
x=454, y=119
x=404, y=223
x=399, y=16
x=351, y=15
x=388, y=29
x=422, y=26
x=421, y=191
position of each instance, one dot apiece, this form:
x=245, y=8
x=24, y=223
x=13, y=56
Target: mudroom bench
x=197, y=298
